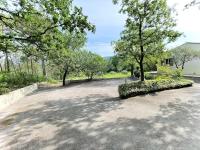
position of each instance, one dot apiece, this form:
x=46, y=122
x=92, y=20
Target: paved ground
x=91, y=117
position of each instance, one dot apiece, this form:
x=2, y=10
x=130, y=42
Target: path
x=91, y=117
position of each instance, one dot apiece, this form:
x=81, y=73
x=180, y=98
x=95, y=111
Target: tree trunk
x=31, y=66
x=91, y=76
x=27, y=65
x=13, y=65
x=19, y=66
x=64, y=76
x=7, y=63
x=183, y=65
x=1, y=68
x=142, y=52
x=44, y=68
x=132, y=70
x=141, y=71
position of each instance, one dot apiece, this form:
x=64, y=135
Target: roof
x=193, y=46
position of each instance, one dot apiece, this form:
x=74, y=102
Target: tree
x=6, y=46
x=30, y=20
x=92, y=64
x=182, y=55
x=46, y=29
x=149, y=24
x=63, y=51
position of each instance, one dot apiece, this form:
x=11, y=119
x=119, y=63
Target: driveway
x=90, y=116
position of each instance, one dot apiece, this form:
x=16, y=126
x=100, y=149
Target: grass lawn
x=105, y=76
x=116, y=75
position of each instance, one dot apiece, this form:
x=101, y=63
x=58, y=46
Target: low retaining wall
x=196, y=79
x=12, y=97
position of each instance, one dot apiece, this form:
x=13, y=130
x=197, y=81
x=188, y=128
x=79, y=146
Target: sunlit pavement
x=91, y=116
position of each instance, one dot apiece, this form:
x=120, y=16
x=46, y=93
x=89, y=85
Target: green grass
x=105, y=76
x=116, y=75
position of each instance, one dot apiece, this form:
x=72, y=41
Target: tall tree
x=46, y=26
x=67, y=44
x=149, y=24
x=91, y=64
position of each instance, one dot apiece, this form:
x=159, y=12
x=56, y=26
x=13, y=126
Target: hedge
x=149, y=86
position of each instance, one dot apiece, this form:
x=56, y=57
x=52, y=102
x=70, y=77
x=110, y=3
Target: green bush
x=140, y=88
x=177, y=73
x=11, y=81
x=19, y=79
x=149, y=76
x=168, y=72
x=112, y=72
x=124, y=72
x=4, y=90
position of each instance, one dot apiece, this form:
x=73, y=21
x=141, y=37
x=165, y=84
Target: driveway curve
x=90, y=116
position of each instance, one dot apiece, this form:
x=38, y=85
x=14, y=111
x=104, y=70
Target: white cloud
x=110, y=23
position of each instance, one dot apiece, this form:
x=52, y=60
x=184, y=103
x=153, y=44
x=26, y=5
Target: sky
x=109, y=24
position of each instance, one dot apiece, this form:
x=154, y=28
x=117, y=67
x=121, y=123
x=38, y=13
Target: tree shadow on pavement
x=73, y=125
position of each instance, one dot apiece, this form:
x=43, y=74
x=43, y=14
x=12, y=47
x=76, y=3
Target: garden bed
x=150, y=86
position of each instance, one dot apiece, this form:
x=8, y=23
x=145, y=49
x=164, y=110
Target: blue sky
x=109, y=24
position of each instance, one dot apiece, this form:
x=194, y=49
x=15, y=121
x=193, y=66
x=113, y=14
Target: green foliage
x=149, y=76
x=141, y=88
x=148, y=26
x=124, y=71
x=11, y=81
x=4, y=90
x=29, y=21
x=46, y=30
x=92, y=64
x=137, y=73
x=168, y=72
x=117, y=64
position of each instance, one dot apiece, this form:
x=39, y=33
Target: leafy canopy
x=149, y=27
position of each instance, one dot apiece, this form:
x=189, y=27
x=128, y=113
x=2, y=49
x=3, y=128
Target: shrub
x=168, y=72
x=11, y=81
x=137, y=73
x=177, y=73
x=112, y=72
x=165, y=71
x=140, y=88
x=19, y=79
x=124, y=71
x=149, y=76
x=4, y=90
